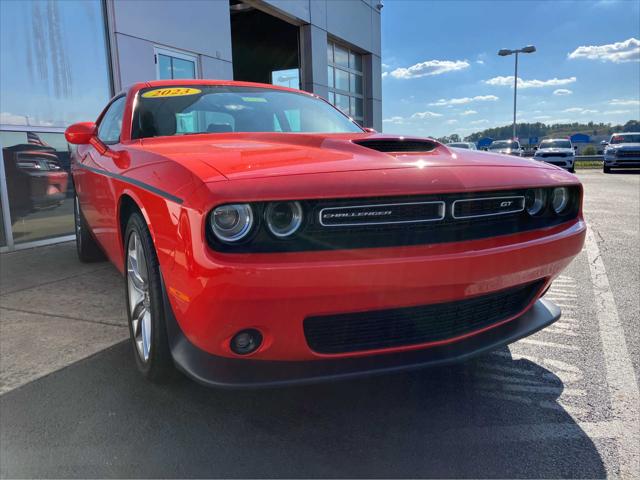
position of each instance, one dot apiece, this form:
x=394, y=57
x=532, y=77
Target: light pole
x=503, y=53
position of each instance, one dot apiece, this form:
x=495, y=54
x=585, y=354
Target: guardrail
x=589, y=158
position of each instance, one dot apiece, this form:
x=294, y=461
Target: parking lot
x=561, y=403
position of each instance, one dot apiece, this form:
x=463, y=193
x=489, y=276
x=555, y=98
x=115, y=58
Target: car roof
x=555, y=139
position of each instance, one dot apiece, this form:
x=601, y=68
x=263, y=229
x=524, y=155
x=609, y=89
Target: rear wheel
x=144, y=303
x=86, y=246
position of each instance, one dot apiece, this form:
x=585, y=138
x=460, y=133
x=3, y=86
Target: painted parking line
x=621, y=380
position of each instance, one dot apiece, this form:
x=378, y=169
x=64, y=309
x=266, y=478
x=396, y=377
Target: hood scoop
x=398, y=145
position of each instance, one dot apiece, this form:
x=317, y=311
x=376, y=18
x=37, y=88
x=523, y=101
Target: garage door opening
x=265, y=49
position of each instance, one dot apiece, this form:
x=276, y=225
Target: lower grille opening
x=360, y=331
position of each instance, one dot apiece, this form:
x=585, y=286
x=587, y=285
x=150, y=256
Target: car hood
x=625, y=146
x=555, y=150
x=243, y=156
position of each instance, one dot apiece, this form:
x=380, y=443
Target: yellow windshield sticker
x=171, y=92
x=254, y=99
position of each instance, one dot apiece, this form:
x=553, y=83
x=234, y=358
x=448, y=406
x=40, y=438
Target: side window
x=111, y=125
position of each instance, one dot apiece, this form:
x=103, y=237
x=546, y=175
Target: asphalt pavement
x=561, y=403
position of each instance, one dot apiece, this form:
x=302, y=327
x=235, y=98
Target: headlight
x=231, y=223
x=535, y=200
x=560, y=199
x=283, y=218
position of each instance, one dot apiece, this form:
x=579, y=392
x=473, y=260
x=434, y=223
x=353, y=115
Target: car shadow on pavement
x=495, y=417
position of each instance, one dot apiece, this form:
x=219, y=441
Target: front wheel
x=147, y=327
x=572, y=170
x=606, y=169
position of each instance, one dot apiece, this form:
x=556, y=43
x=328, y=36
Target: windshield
x=503, y=144
x=172, y=111
x=556, y=144
x=458, y=145
x=626, y=138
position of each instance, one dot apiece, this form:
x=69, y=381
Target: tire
x=606, y=169
x=572, y=170
x=145, y=313
x=88, y=249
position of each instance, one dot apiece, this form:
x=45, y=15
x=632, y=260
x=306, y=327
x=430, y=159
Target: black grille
x=404, y=230
x=547, y=155
x=483, y=207
x=381, y=214
x=628, y=153
x=361, y=331
x=398, y=145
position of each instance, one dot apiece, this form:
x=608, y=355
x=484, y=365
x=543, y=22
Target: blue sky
x=442, y=74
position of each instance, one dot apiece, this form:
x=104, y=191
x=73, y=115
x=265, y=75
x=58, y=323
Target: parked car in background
x=37, y=178
x=622, y=151
x=557, y=151
x=465, y=145
x=507, y=147
x=267, y=239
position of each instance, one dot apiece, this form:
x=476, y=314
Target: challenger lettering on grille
x=412, y=212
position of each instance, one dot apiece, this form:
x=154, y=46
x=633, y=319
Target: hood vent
x=398, y=145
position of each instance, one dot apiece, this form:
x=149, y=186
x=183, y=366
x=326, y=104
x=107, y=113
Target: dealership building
x=61, y=61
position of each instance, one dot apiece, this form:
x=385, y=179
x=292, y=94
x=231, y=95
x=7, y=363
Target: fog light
x=246, y=341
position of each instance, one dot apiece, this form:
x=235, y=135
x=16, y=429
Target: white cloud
x=480, y=62
x=562, y=92
x=479, y=122
x=468, y=112
x=395, y=120
x=427, y=114
x=451, y=122
x=624, y=102
x=559, y=120
x=385, y=74
x=464, y=100
x=616, y=112
x=618, y=52
x=429, y=68
x=581, y=111
x=542, y=117
x=385, y=66
x=508, y=82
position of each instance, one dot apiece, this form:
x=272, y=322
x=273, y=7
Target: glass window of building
x=172, y=65
x=345, y=80
x=54, y=64
x=39, y=186
x=54, y=71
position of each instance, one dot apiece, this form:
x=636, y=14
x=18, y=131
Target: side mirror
x=80, y=133
x=575, y=147
x=604, y=143
x=85, y=133
x=535, y=148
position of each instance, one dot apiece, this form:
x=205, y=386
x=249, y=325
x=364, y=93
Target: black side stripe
x=133, y=181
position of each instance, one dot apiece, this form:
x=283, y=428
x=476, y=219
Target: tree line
x=541, y=130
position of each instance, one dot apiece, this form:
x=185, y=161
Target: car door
x=97, y=193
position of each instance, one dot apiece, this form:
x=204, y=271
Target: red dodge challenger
x=267, y=239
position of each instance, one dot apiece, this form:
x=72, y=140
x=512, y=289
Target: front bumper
x=622, y=161
x=562, y=162
x=217, y=295
x=222, y=372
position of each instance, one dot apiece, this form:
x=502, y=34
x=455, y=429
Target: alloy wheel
x=139, y=296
